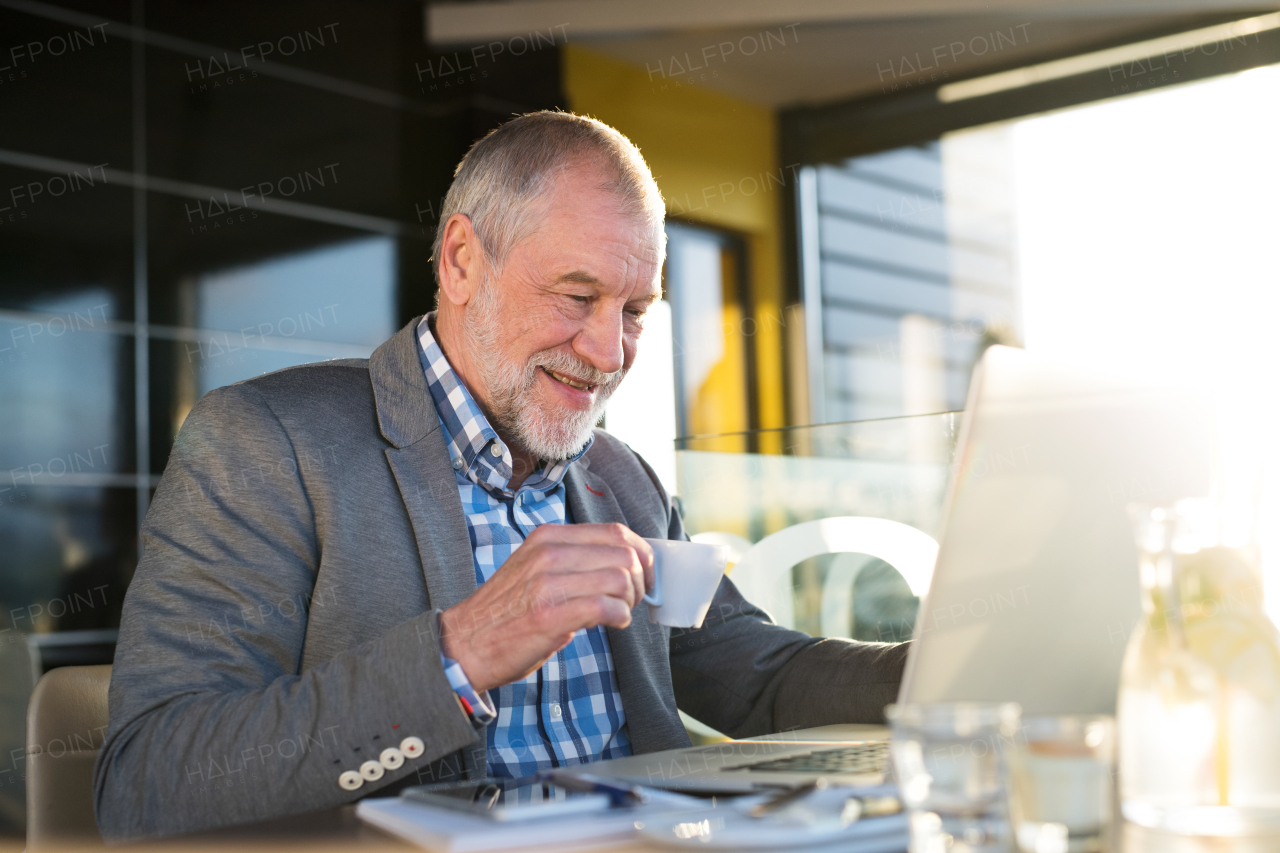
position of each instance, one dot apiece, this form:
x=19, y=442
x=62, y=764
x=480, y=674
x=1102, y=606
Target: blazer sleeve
x=200, y=711
x=744, y=675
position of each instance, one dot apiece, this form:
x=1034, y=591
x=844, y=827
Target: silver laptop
x=1035, y=589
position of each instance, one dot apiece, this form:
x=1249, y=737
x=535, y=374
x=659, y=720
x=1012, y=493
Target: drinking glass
x=1061, y=771
x=951, y=765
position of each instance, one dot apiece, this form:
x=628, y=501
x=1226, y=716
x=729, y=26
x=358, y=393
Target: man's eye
x=581, y=300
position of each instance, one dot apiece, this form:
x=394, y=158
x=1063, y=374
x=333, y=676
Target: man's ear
x=461, y=257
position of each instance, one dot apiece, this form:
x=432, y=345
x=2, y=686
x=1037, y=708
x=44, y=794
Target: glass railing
x=740, y=488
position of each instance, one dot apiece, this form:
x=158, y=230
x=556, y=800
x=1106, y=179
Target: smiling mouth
x=569, y=380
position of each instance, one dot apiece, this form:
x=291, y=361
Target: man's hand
x=563, y=578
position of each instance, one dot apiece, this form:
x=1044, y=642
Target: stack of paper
x=449, y=831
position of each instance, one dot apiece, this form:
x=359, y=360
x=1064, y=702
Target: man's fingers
x=596, y=534
x=590, y=611
x=553, y=547
x=647, y=560
x=566, y=557
x=615, y=581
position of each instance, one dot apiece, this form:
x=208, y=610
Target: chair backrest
x=738, y=545
x=66, y=723
x=19, y=671
x=763, y=575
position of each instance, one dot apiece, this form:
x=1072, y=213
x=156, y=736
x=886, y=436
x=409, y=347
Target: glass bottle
x=1199, y=704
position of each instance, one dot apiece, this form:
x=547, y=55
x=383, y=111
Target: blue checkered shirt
x=568, y=711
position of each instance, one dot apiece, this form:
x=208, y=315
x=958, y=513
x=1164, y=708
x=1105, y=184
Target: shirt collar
x=475, y=448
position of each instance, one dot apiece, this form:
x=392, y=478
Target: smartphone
x=507, y=799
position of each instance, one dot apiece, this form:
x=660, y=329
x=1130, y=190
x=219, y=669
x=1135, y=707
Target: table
x=340, y=829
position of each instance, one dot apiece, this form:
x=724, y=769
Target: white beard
x=512, y=387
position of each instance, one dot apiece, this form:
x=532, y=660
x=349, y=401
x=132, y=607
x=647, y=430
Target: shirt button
x=391, y=758
x=372, y=770
x=412, y=747
x=457, y=464
x=496, y=450
x=350, y=780
x=556, y=710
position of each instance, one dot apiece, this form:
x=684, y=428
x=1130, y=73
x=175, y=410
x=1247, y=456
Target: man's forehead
x=602, y=258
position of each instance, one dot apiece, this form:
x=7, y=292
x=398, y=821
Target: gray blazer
x=280, y=628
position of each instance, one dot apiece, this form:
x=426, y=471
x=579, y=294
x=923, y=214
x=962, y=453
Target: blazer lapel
x=430, y=495
x=590, y=499
x=419, y=460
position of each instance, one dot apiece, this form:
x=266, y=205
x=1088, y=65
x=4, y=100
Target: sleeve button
x=350, y=780
x=412, y=747
x=372, y=771
x=391, y=758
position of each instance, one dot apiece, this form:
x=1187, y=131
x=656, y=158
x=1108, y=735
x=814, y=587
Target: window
x=705, y=282
x=910, y=262
x=1060, y=205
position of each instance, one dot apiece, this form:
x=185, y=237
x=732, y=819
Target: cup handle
x=654, y=599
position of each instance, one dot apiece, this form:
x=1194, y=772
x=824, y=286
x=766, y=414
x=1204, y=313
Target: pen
x=619, y=794
x=787, y=797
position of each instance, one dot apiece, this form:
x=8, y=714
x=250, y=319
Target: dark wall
x=191, y=194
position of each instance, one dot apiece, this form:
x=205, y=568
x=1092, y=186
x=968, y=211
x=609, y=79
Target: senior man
x=361, y=574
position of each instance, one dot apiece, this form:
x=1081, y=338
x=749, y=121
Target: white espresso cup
x=686, y=576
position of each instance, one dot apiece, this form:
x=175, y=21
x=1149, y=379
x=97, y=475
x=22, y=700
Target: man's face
x=558, y=329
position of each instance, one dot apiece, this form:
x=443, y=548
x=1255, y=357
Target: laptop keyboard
x=856, y=758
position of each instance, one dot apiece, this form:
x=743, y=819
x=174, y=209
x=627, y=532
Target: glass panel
x=230, y=265
x=66, y=394
x=65, y=90
x=338, y=150
x=337, y=300
x=65, y=238
x=342, y=293
x=894, y=469
x=703, y=281
x=332, y=302
x=69, y=554
x=64, y=228
x=916, y=274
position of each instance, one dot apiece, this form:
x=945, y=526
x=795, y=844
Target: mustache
x=569, y=365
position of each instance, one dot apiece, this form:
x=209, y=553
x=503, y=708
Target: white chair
x=762, y=572
x=738, y=545
x=837, y=593
x=763, y=575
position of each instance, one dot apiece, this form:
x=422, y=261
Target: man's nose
x=599, y=343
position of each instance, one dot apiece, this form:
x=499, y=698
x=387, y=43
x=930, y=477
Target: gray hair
x=504, y=180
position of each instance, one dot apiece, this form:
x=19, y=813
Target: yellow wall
x=715, y=160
